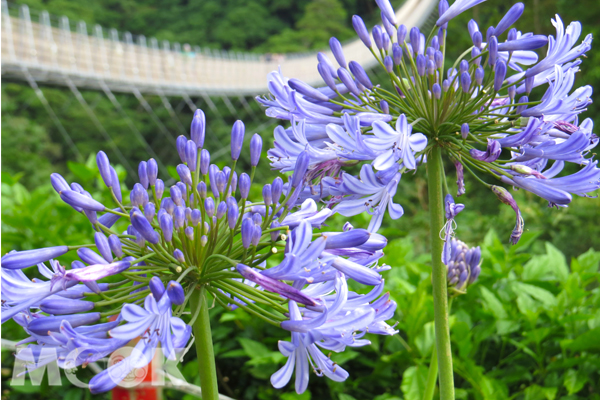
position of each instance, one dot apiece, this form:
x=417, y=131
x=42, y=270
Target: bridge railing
x=51, y=53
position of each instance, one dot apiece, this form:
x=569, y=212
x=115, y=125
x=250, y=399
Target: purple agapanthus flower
x=155, y=324
x=344, y=322
x=369, y=193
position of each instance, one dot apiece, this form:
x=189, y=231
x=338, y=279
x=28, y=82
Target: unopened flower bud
x=276, y=189
x=184, y=174
x=221, y=209
x=178, y=254
x=141, y=224
x=401, y=34
x=421, y=64
x=237, y=139
x=176, y=196
x=266, y=192
x=338, y=53
x=385, y=107
x=157, y=288
x=179, y=217
x=436, y=91
x=415, y=39
x=175, y=293
x=509, y=18
x=465, y=82
x=159, y=188
x=361, y=30
x=180, y=143
x=493, y=50
x=360, y=74
x=191, y=155
x=198, y=128
x=347, y=80
x=378, y=36
x=204, y=161
x=201, y=187
x=247, y=232
x=143, y=174
x=500, y=74
x=255, y=149
x=209, y=206
x=302, y=163
x=464, y=131
x=479, y=75
x=430, y=67
x=115, y=246
x=104, y=168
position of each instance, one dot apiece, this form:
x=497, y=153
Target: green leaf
x=585, y=342
x=551, y=266
x=81, y=171
x=504, y=326
x=536, y=392
x=492, y=303
x=575, y=380
x=253, y=349
x=413, y=382
x=295, y=396
x=425, y=340
x=543, y=295
x=587, y=262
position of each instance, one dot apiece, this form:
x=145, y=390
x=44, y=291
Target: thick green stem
x=438, y=275
x=204, y=347
x=431, y=376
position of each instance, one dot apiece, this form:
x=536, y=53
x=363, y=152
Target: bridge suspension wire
x=132, y=126
x=161, y=127
x=122, y=159
x=40, y=95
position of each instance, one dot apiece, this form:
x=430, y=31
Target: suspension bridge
x=54, y=51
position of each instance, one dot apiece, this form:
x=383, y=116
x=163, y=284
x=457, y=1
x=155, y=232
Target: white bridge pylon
x=58, y=55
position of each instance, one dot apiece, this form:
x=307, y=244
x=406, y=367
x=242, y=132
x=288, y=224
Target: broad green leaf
x=557, y=262
x=253, y=349
x=575, y=380
x=550, y=266
x=543, y=295
x=492, y=303
x=425, y=340
x=527, y=305
x=504, y=326
x=295, y=396
x=81, y=171
x=585, y=342
x=587, y=262
x=413, y=382
x=536, y=392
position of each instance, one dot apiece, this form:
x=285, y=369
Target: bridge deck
x=56, y=55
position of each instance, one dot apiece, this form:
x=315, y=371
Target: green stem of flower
x=433, y=370
x=431, y=376
x=440, y=290
x=204, y=347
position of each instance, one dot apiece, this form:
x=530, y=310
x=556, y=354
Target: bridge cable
x=163, y=129
x=99, y=126
x=40, y=95
x=131, y=125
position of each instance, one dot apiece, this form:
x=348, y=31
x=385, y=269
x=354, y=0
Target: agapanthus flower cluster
x=462, y=263
x=155, y=250
x=480, y=109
